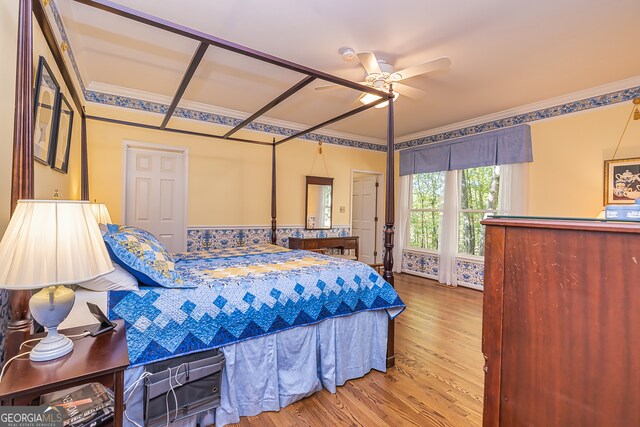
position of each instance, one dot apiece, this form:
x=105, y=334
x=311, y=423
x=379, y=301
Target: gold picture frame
x=621, y=181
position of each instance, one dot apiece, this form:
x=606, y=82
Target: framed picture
x=621, y=181
x=64, y=127
x=45, y=105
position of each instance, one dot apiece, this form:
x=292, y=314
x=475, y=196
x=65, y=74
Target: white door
x=155, y=196
x=364, y=216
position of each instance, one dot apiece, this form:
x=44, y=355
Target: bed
x=300, y=319
x=305, y=352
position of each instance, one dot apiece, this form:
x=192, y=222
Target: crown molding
x=540, y=105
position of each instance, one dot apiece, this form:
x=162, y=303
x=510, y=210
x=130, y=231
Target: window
x=426, y=200
x=478, y=197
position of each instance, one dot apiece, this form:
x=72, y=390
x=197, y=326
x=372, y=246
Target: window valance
x=499, y=147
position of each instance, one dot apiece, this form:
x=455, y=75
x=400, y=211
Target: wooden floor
x=437, y=380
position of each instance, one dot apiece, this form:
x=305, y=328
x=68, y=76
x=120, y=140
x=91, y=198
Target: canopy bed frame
x=22, y=186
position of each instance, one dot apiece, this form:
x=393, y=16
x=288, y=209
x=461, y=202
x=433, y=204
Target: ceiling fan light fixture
x=348, y=54
x=368, y=98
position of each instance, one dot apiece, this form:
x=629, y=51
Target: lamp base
x=49, y=307
x=51, y=347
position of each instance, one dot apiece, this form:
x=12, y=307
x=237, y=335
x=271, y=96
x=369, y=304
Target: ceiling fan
x=381, y=75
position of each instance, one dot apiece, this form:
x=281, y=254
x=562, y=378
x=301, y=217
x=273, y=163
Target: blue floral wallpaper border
x=470, y=273
x=186, y=113
x=546, y=113
x=206, y=238
x=63, y=33
x=154, y=107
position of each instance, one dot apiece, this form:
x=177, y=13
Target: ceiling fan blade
x=408, y=91
x=369, y=62
x=439, y=64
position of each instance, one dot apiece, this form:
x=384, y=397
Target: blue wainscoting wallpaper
x=469, y=272
x=420, y=262
x=205, y=238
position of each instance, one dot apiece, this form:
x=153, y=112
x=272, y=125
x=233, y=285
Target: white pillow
x=118, y=280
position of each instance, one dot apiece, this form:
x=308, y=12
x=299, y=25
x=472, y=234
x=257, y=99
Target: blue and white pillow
x=114, y=228
x=141, y=254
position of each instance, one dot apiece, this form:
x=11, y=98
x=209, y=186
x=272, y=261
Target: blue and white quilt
x=243, y=293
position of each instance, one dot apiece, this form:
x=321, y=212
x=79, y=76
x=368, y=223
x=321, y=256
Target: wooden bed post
x=389, y=225
x=274, y=237
x=84, y=171
x=22, y=177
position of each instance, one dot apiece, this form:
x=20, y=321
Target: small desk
x=100, y=359
x=319, y=243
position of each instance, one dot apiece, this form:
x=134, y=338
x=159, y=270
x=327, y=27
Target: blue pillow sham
x=114, y=228
x=142, y=255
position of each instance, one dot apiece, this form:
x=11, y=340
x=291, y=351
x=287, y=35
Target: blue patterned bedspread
x=245, y=293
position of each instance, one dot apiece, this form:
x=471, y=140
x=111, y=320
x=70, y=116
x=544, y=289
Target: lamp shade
x=101, y=213
x=52, y=242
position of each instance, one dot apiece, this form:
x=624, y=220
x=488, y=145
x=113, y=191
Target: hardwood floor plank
x=438, y=378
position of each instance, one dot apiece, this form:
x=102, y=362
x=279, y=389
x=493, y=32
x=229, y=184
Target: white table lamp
x=101, y=213
x=50, y=243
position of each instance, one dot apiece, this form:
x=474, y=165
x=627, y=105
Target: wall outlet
x=342, y=209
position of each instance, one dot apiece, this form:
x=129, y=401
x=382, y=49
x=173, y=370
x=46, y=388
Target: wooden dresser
x=322, y=243
x=561, y=327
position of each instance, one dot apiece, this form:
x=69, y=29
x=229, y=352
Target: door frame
x=379, y=207
x=183, y=151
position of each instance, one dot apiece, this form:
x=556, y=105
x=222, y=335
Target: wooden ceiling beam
x=302, y=83
x=188, y=75
x=335, y=119
x=181, y=131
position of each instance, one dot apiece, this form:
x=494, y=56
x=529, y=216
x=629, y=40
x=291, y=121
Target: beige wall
x=566, y=176
x=46, y=179
x=229, y=182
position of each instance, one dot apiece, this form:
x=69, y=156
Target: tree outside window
x=427, y=196
x=478, y=198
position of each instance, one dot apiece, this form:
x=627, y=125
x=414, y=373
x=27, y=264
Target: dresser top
x=584, y=224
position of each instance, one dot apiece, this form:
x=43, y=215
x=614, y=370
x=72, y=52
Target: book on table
x=88, y=405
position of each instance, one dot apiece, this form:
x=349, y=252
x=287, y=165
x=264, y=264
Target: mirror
x=319, y=203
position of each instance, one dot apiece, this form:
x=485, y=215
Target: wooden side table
x=100, y=359
x=318, y=244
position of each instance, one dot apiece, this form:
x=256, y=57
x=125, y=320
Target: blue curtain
x=499, y=147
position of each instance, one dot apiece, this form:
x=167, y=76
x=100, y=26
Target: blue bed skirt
x=273, y=371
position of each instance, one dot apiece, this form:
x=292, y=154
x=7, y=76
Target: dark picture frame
x=621, y=181
x=63, y=131
x=45, y=104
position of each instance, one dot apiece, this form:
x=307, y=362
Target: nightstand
x=100, y=359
